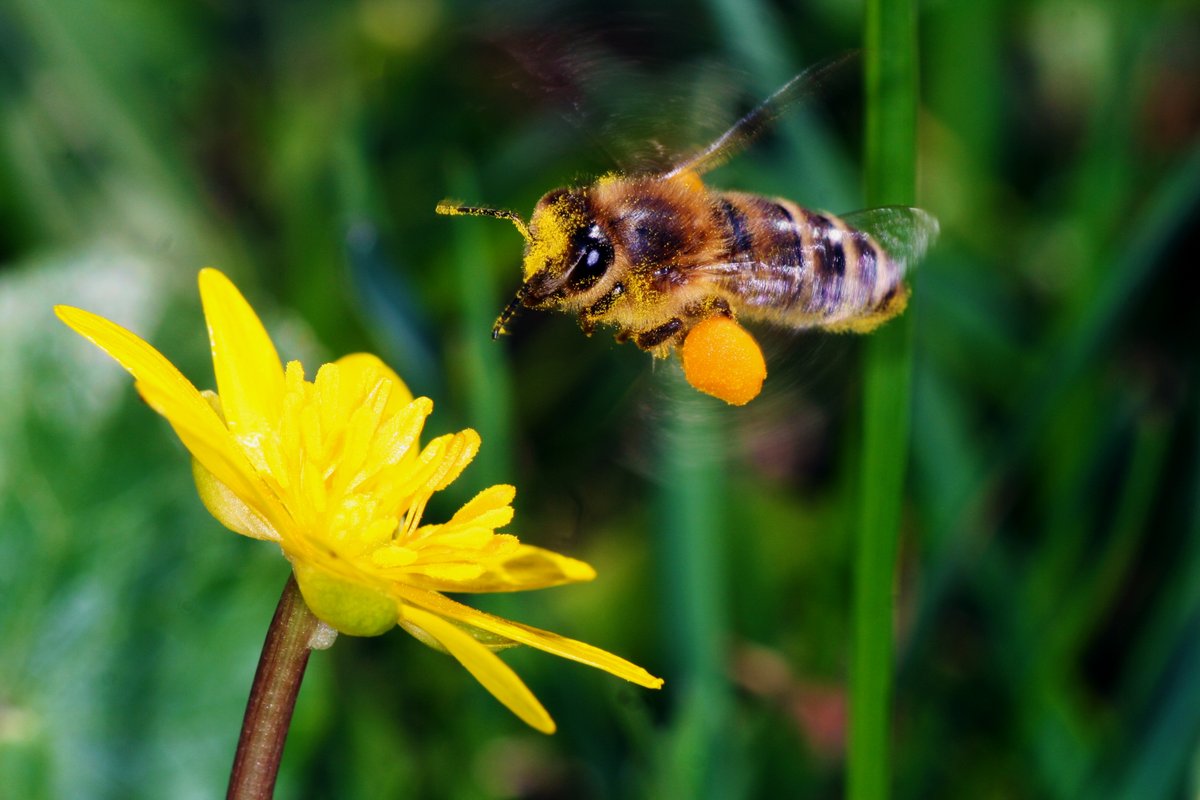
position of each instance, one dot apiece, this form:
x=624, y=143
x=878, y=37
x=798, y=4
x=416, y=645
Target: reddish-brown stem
x=272, y=698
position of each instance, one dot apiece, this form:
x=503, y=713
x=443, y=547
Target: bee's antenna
x=453, y=210
x=509, y=312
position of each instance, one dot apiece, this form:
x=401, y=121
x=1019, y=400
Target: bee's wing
x=748, y=128
x=640, y=120
x=905, y=233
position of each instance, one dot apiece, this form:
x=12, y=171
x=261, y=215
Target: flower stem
x=273, y=697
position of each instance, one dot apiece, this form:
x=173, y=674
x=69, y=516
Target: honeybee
x=655, y=254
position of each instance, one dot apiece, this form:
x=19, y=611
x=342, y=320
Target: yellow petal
x=462, y=452
x=527, y=635
x=458, y=537
x=395, y=440
x=487, y=668
x=490, y=508
x=448, y=574
x=357, y=367
x=393, y=555
x=527, y=567
x=171, y=394
x=249, y=373
x=229, y=509
x=134, y=354
x=214, y=447
x=443, y=460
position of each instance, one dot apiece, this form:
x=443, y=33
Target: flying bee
x=655, y=254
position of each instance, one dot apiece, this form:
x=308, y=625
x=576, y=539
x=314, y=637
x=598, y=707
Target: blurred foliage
x=1049, y=589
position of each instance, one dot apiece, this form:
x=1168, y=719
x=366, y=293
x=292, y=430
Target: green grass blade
x=1160, y=690
x=891, y=75
x=1166, y=215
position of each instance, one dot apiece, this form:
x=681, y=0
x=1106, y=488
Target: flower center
x=341, y=457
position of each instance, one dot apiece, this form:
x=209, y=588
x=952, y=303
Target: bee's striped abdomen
x=803, y=268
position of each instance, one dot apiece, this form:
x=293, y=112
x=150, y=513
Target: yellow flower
x=333, y=472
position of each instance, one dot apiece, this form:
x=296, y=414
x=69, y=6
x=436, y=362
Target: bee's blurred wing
x=749, y=127
x=905, y=233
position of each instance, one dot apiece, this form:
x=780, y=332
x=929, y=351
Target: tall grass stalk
x=890, y=164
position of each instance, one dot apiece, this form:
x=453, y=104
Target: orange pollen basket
x=721, y=358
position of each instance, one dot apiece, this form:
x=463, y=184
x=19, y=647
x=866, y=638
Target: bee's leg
x=708, y=307
x=596, y=312
x=649, y=340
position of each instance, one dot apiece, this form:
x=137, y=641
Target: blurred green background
x=1048, y=592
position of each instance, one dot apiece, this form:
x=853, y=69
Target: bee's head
x=566, y=250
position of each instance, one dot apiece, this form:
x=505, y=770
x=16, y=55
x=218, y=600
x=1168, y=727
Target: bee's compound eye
x=595, y=257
